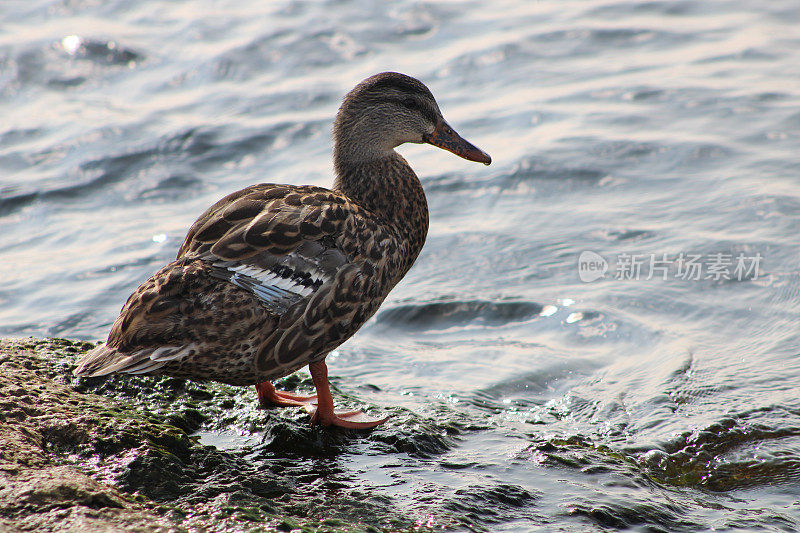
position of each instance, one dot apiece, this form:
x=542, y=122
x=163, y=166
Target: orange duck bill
x=445, y=137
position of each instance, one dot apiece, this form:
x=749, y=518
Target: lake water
x=658, y=138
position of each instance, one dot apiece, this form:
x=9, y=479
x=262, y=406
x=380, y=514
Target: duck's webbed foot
x=269, y=397
x=345, y=419
x=321, y=409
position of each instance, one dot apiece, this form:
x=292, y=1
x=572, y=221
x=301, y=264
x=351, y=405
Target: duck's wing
x=266, y=218
x=281, y=243
x=284, y=246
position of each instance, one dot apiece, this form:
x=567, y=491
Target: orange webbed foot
x=269, y=397
x=321, y=410
x=345, y=419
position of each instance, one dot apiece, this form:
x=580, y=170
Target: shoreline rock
x=121, y=454
x=38, y=416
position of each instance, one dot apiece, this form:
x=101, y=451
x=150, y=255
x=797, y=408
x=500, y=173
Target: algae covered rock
x=40, y=415
x=123, y=453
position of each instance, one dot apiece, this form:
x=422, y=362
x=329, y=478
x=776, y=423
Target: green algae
x=136, y=436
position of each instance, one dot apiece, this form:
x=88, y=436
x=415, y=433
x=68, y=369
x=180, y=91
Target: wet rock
x=57, y=487
x=120, y=453
x=38, y=416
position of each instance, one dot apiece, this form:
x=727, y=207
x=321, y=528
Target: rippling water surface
x=617, y=127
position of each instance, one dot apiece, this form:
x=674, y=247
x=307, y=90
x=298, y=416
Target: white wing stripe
x=270, y=278
x=267, y=283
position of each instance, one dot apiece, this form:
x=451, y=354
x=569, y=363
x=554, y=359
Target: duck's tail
x=93, y=362
x=105, y=359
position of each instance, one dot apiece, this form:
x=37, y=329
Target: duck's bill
x=445, y=137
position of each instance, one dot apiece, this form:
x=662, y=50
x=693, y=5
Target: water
x=617, y=127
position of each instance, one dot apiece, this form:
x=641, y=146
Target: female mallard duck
x=274, y=277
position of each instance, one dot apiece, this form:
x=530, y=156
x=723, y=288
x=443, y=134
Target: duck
x=274, y=277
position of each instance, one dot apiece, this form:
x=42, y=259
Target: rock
x=119, y=453
x=38, y=414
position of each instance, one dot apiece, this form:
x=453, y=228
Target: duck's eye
x=448, y=131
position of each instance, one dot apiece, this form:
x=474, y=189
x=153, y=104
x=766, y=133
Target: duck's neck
x=388, y=188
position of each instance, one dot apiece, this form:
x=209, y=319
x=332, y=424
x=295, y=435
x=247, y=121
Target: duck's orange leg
x=323, y=413
x=268, y=396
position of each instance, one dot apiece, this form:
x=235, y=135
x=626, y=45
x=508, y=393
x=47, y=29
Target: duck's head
x=389, y=109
